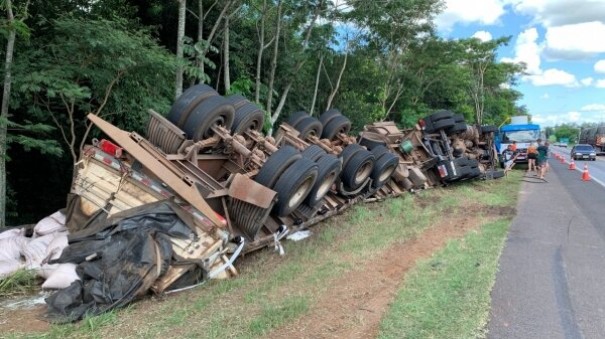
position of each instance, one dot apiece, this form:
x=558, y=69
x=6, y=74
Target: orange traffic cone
x=585, y=174
x=562, y=159
x=572, y=165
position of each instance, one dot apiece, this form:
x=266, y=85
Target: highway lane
x=550, y=278
x=595, y=168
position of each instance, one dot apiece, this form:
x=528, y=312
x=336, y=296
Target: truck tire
x=443, y=124
x=489, y=129
x=184, y=105
x=294, y=185
x=458, y=118
x=370, y=142
x=384, y=167
x=309, y=126
x=329, y=168
x=348, y=152
x=277, y=163
x=248, y=118
x=237, y=100
x=378, y=151
x=211, y=112
x=296, y=117
x=497, y=174
x=328, y=115
x=357, y=169
x=339, y=124
x=440, y=115
x=459, y=127
x=313, y=152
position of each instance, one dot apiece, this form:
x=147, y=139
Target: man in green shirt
x=542, y=157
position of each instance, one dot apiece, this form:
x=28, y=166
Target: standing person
x=542, y=159
x=514, y=146
x=532, y=155
x=508, y=156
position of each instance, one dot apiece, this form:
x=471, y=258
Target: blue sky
x=562, y=42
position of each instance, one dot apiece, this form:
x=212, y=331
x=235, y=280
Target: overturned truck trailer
x=206, y=186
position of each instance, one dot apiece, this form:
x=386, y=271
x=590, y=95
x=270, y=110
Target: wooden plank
x=188, y=193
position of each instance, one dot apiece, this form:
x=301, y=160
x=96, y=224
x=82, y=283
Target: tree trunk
x=296, y=69
x=200, y=36
x=312, y=108
x=227, y=72
x=261, y=49
x=179, y=48
x=274, y=59
x=335, y=90
x=4, y=111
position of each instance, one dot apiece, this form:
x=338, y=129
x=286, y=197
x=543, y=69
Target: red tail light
x=110, y=148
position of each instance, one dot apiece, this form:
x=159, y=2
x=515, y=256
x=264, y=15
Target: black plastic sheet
x=119, y=258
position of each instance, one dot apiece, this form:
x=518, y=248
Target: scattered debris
x=172, y=210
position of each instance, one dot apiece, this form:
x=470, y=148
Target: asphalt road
x=595, y=168
x=551, y=282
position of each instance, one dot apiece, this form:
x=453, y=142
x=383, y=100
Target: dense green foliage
x=374, y=60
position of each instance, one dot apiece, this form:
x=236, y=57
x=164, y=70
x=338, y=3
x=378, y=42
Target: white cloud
x=545, y=96
x=486, y=12
x=593, y=108
x=527, y=51
x=599, y=66
x=556, y=119
x=600, y=83
x=483, y=36
x=561, y=12
x=587, y=81
x=577, y=41
x=553, y=76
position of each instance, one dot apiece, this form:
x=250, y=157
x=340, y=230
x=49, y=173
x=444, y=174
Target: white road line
x=581, y=170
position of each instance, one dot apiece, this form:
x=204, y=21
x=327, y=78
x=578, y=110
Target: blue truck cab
x=522, y=133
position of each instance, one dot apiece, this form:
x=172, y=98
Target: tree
x=115, y=73
x=480, y=57
x=179, y=48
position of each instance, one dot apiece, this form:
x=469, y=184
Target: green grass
x=274, y=315
x=272, y=290
x=20, y=282
x=448, y=295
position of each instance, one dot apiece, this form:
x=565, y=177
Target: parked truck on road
x=519, y=131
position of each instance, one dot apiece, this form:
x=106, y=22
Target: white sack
x=13, y=232
x=53, y=223
x=56, y=246
x=10, y=248
x=8, y=267
x=35, y=251
x=46, y=270
x=61, y=277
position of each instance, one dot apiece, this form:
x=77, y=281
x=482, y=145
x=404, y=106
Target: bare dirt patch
x=354, y=304
x=28, y=320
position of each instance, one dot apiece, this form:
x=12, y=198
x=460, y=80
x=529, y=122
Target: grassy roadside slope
x=275, y=294
x=448, y=295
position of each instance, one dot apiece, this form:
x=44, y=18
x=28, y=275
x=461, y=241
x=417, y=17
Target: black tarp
x=118, y=259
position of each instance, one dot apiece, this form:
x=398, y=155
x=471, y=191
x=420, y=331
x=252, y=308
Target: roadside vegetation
x=120, y=58
x=444, y=293
x=20, y=282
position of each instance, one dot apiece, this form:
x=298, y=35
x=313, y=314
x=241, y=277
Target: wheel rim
x=363, y=172
x=312, y=133
x=386, y=173
x=325, y=186
x=301, y=193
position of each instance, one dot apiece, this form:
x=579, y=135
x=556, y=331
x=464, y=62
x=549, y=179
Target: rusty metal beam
x=155, y=166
